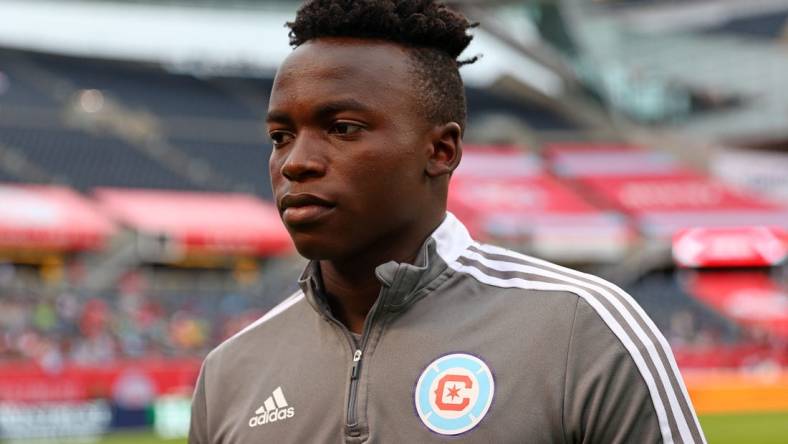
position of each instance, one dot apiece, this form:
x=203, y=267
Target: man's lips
x=303, y=208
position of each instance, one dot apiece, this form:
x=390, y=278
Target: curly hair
x=435, y=35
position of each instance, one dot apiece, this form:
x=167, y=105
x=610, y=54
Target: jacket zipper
x=351, y=419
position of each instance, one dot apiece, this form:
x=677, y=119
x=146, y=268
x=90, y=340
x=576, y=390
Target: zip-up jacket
x=470, y=343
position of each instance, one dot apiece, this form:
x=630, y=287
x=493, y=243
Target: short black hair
x=435, y=34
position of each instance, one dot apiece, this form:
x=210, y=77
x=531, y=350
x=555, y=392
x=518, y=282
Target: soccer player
x=406, y=330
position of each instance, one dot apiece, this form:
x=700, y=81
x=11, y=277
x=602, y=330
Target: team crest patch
x=454, y=393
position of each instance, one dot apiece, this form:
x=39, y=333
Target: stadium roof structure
x=242, y=37
x=752, y=73
x=686, y=67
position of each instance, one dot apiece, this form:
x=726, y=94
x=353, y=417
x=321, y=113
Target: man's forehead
x=341, y=59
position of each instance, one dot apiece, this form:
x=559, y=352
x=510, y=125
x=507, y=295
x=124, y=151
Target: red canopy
x=217, y=222
x=49, y=217
x=750, y=297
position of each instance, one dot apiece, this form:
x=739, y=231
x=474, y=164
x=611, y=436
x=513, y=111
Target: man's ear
x=445, y=149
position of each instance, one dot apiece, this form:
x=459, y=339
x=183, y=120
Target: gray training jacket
x=472, y=344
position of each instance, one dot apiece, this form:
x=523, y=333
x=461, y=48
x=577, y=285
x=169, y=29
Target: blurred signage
x=171, y=416
x=54, y=419
x=730, y=247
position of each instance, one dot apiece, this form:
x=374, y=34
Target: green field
x=761, y=428
x=138, y=438
x=756, y=428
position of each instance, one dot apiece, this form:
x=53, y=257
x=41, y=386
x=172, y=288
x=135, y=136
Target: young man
x=406, y=330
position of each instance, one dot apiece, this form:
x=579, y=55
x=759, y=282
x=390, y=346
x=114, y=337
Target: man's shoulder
x=552, y=288
x=274, y=319
x=499, y=267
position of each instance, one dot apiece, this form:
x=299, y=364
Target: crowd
x=129, y=322
x=175, y=320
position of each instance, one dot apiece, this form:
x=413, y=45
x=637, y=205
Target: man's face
x=350, y=147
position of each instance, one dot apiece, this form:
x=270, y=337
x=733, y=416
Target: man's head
x=366, y=117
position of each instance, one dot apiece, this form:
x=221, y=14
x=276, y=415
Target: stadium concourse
x=137, y=232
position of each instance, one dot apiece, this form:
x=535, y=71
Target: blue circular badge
x=454, y=393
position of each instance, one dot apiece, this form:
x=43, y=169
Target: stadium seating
x=5, y=177
x=147, y=88
x=86, y=161
x=244, y=162
x=14, y=91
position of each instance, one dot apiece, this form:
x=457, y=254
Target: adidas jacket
x=472, y=343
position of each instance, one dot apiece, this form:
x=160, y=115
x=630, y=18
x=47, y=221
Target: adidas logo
x=274, y=409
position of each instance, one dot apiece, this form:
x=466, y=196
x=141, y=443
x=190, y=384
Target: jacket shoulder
x=269, y=319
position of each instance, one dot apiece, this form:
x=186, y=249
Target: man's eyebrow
x=321, y=112
x=278, y=117
x=330, y=108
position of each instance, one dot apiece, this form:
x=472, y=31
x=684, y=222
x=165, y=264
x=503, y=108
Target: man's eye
x=345, y=129
x=280, y=137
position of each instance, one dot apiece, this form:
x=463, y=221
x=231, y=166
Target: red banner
x=127, y=383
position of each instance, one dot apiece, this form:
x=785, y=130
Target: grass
x=740, y=428
x=754, y=428
x=138, y=438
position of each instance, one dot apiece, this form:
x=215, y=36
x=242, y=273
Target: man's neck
x=351, y=285
x=351, y=292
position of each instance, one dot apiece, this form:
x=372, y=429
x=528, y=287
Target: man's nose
x=303, y=160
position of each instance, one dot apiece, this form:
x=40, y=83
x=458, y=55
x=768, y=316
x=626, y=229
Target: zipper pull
x=356, y=360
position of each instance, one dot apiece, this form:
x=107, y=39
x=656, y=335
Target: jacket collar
x=402, y=283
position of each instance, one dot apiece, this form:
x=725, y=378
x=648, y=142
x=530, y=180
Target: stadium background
x=645, y=141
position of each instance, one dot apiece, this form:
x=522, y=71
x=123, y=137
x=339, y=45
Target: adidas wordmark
x=274, y=409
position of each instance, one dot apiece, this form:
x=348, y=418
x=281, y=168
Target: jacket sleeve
x=606, y=397
x=198, y=428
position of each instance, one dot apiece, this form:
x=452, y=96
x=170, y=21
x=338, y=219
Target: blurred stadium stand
x=86, y=161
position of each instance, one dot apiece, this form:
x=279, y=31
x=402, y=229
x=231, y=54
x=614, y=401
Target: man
x=406, y=330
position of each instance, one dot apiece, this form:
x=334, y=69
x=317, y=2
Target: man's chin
x=315, y=248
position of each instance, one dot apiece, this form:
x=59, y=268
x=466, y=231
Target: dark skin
x=359, y=175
